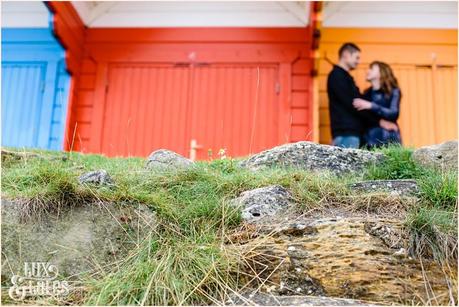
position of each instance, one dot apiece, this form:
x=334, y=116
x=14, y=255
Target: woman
x=382, y=99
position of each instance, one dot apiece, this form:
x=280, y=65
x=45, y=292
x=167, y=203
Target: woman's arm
x=392, y=112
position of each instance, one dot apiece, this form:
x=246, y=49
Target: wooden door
x=235, y=108
x=145, y=109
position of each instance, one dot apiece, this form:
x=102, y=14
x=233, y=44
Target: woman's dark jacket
x=386, y=107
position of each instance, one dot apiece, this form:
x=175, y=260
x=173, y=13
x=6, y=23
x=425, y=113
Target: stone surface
x=76, y=240
x=258, y=204
x=314, y=157
x=265, y=299
x=393, y=235
x=402, y=187
x=167, y=159
x=99, y=177
x=354, y=258
x=442, y=156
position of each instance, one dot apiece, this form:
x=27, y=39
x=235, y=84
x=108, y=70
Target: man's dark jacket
x=344, y=118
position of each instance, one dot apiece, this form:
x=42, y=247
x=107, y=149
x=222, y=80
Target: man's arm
x=391, y=113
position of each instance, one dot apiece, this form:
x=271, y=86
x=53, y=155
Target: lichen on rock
x=314, y=157
x=269, y=299
x=163, y=159
x=354, y=258
x=258, y=204
x=400, y=187
x=99, y=177
x=442, y=156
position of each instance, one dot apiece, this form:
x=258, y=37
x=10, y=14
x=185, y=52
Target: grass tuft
x=397, y=165
x=433, y=220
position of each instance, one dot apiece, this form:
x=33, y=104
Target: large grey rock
x=402, y=187
x=99, y=177
x=167, y=159
x=76, y=239
x=263, y=202
x=266, y=299
x=315, y=157
x=442, y=156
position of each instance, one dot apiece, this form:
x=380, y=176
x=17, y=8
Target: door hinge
x=277, y=88
x=106, y=88
x=42, y=86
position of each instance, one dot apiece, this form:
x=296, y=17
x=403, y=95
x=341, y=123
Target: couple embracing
x=365, y=120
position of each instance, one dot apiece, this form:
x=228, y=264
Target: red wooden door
x=221, y=106
x=233, y=107
x=145, y=109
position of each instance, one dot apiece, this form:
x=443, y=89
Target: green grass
x=397, y=165
x=433, y=223
x=184, y=261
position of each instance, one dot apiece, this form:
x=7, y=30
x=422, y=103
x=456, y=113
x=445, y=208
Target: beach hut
x=35, y=82
x=193, y=77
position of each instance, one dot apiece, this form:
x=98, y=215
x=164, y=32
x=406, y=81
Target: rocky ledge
x=350, y=258
x=314, y=157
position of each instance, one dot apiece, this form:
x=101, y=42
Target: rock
x=9, y=156
x=76, y=240
x=402, y=187
x=353, y=258
x=17, y=155
x=314, y=157
x=393, y=235
x=442, y=156
x=266, y=299
x=263, y=202
x=296, y=229
x=167, y=159
x=99, y=177
x=298, y=282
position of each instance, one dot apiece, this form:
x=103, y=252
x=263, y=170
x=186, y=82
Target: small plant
x=397, y=165
x=222, y=153
x=433, y=233
x=439, y=189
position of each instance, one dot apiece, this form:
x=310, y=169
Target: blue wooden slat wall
x=35, y=88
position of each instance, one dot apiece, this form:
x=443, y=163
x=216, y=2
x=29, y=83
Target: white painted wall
x=24, y=14
x=398, y=14
x=365, y=14
x=193, y=13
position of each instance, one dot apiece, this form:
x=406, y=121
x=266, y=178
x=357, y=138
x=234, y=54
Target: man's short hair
x=351, y=47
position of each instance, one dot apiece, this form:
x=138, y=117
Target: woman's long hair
x=388, y=80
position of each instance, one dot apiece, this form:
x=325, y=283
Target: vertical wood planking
x=409, y=52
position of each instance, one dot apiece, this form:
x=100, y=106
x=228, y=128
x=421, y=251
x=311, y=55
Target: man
x=346, y=123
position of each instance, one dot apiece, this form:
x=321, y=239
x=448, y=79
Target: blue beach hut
x=35, y=83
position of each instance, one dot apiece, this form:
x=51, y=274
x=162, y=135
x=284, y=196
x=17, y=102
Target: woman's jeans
x=378, y=137
x=347, y=141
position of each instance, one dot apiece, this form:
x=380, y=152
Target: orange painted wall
x=289, y=49
x=425, y=64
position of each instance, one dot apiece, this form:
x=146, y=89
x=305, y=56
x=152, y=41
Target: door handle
x=194, y=146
